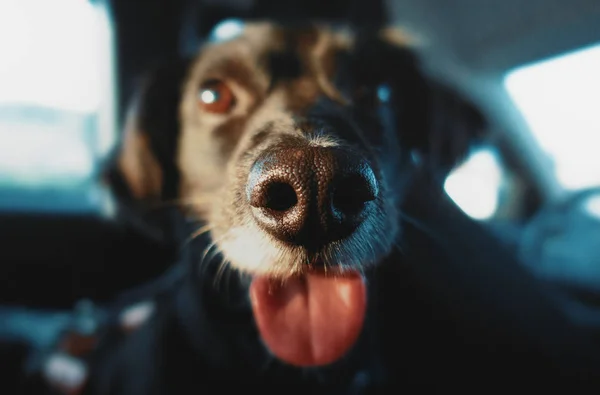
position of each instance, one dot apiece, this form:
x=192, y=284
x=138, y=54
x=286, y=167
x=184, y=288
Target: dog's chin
x=309, y=309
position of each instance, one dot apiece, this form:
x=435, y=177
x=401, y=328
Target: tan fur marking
x=399, y=37
x=324, y=43
x=138, y=165
x=140, y=168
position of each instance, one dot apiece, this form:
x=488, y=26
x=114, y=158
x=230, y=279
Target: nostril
x=353, y=192
x=280, y=196
x=311, y=196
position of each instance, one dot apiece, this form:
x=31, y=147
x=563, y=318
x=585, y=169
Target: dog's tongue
x=310, y=320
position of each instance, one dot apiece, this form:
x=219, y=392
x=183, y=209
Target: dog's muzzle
x=310, y=197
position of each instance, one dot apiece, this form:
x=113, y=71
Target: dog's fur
x=308, y=86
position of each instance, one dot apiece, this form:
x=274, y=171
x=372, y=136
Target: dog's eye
x=216, y=97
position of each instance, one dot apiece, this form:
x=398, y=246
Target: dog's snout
x=311, y=196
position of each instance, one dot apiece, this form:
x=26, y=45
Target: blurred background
x=69, y=67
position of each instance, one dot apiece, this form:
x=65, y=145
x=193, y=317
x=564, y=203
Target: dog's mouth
x=308, y=207
x=312, y=319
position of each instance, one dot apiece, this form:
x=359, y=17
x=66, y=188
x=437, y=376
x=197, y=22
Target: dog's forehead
x=265, y=36
x=254, y=44
x=310, y=50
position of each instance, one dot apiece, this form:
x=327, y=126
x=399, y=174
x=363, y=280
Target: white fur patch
x=323, y=141
x=249, y=249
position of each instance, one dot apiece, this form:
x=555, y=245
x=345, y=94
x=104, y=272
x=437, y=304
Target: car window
x=560, y=101
x=57, y=103
x=476, y=185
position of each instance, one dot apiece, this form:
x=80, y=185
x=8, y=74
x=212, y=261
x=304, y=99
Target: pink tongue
x=310, y=320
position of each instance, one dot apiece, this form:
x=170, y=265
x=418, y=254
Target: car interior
x=70, y=67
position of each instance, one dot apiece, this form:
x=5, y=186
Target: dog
x=291, y=154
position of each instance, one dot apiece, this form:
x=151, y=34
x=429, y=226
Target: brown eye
x=216, y=97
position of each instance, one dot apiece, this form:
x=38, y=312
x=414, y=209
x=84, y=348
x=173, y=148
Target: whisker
x=223, y=266
x=214, y=247
x=202, y=263
x=417, y=224
x=215, y=250
x=227, y=273
x=202, y=230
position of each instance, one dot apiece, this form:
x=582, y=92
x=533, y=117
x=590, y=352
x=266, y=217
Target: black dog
x=293, y=154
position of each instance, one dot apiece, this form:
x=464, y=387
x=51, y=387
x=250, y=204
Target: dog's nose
x=311, y=196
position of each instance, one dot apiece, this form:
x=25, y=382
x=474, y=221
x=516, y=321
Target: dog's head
x=293, y=148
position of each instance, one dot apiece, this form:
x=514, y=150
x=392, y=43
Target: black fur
x=442, y=307
x=442, y=319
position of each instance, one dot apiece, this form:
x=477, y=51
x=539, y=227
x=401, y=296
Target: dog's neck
x=215, y=316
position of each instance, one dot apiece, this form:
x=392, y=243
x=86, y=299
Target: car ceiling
x=494, y=35
x=472, y=44
x=490, y=35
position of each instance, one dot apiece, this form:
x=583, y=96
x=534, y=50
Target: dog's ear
x=144, y=167
x=135, y=163
x=436, y=121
